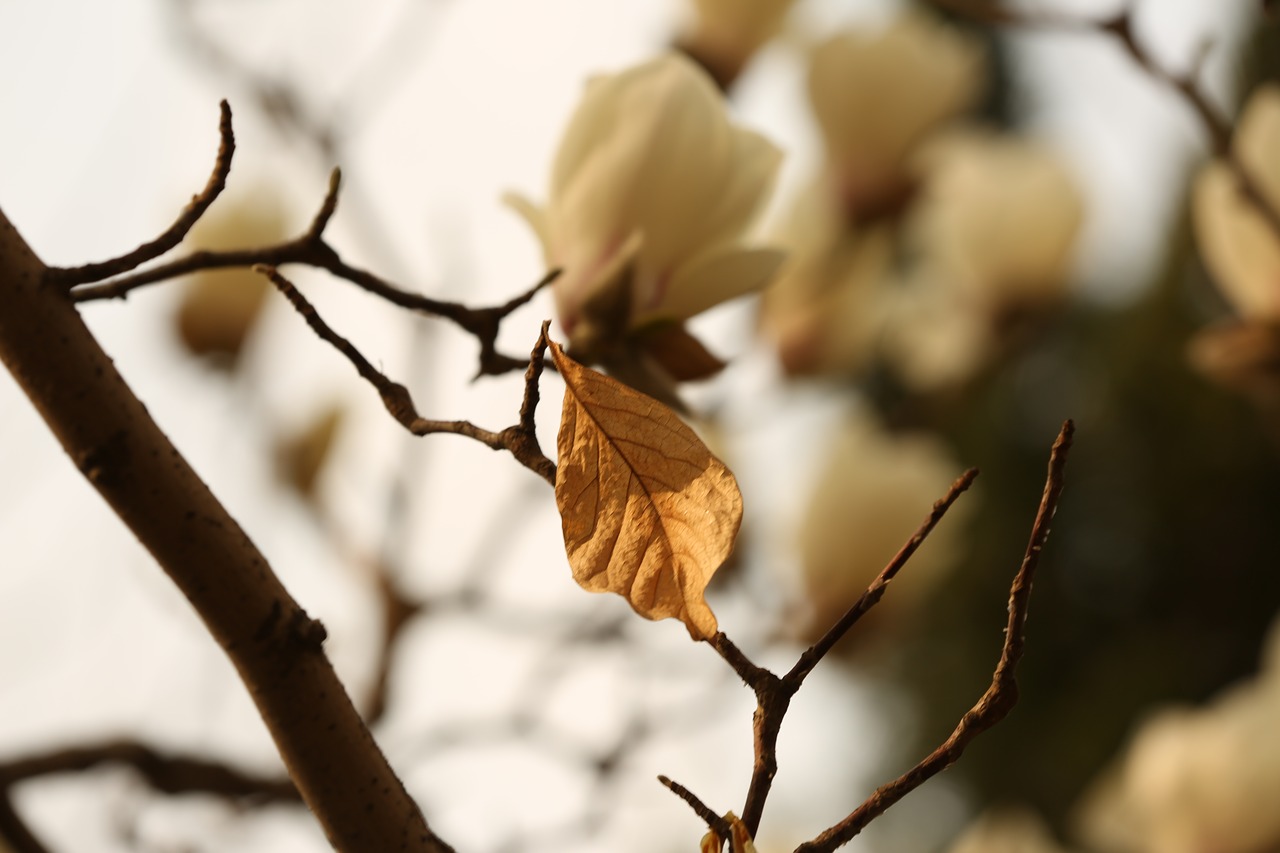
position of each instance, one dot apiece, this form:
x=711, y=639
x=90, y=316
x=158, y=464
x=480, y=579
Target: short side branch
x=714, y=822
x=71, y=276
x=876, y=590
x=998, y=699
x=519, y=440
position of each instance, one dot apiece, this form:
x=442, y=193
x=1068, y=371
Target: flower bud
x=652, y=192
x=726, y=33
x=876, y=96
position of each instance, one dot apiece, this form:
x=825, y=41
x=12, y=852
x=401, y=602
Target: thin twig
x=522, y=444
x=169, y=774
x=876, y=590
x=773, y=694
x=714, y=822
x=999, y=697
x=1187, y=85
x=311, y=249
x=752, y=676
x=71, y=276
x=327, y=207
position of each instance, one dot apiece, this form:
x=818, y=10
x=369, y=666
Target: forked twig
x=774, y=693
x=1186, y=85
x=999, y=697
x=117, y=278
x=520, y=440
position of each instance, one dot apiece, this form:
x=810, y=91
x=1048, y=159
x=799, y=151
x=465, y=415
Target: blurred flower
x=992, y=229
x=874, y=491
x=828, y=304
x=302, y=456
x=726, y=33
x=1240, y=246
x=1197, y=780
x=876, y=96
x=652, y=192
x=999, y=214
x=1008, y=831
x=983, y=247
x=219, y=308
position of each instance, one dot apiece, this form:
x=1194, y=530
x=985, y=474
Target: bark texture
x=277, y=649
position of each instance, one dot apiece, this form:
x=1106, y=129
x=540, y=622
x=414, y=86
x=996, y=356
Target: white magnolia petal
x=535, y=216
x=1257, y=142
x=999, y=213
x=875, y=95
x=584, y=279
x=713, y=278
x=651, y=151
x=739, y=200
x=1238, y=245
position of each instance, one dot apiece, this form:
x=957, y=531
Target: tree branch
x=876, y=590
x=520, y=440
x=999, y=697
x=714, y=822
x=1120, y=27
x=72, y=276
x=310, y=248
x=274, y=645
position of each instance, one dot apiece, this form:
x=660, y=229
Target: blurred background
x=990, y=229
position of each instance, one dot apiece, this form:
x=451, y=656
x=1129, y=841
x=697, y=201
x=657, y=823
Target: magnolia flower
x=652, y=192
x=1240, y=246
x=725, y=33
x=998, y=214
x=877, y=96
x=1198, y=780
x=824, y=310
x=220, y=308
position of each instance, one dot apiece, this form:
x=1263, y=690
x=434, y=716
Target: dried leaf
x=647, y=511
x=739, y=841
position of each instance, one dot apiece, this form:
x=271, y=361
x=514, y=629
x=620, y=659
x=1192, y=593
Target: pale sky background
x=107, y=131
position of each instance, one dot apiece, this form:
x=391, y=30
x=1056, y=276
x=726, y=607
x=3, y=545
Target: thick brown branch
x=71, y=276
x=998, y=699
x=522, y=443
x=276, y=648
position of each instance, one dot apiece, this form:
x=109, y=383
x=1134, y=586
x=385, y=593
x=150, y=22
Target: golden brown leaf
x=647, y=511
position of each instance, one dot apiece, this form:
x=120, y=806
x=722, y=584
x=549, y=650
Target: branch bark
x=276, y=648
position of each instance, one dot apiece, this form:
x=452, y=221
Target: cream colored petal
x=737, y=27
x=595, y=118
x=875, y=95
x=711, y=279
x=1239, y=247
x=535, y=217
x=689, y=162
x=730, y=208
x=999, y=214
x=1257, y=141
x=580, y=290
